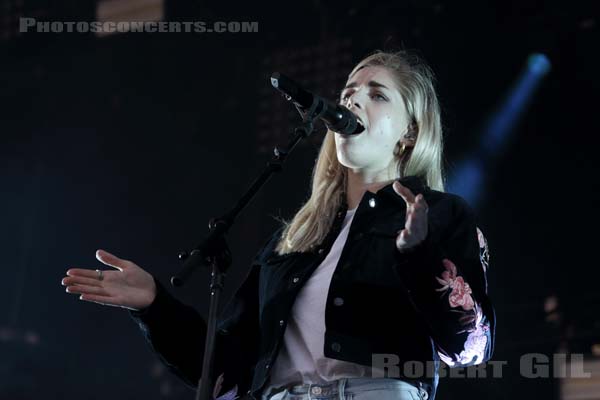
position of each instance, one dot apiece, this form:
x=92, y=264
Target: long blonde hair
x=415, y=82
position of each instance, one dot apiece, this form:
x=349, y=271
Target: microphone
x=335, y=116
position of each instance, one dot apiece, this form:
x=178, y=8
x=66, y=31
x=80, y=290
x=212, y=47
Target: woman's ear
x=410, y=137
x=413, y=128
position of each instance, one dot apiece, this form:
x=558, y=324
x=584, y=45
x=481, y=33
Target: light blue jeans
x=349, y=389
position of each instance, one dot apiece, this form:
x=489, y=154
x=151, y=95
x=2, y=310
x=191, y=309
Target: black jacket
x=427, y=304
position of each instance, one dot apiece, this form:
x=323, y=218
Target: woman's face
x=373, y=97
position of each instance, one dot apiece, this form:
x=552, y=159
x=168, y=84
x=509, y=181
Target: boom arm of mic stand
x=213, y=251
x=201, y=254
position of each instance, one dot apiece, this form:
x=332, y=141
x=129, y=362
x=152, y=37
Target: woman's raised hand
x=415, y=229
x=128, y=287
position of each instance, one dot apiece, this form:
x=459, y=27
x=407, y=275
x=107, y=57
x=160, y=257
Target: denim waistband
x=336, y=386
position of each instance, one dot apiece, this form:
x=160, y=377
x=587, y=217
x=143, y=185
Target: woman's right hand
x=129, y=287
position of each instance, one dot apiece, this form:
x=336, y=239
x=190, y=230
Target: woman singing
x=378, y=276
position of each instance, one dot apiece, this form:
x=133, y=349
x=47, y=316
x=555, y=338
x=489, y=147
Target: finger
x=85, y=289
x=87, y=273
x=111, y=260
x=402, y=239
x=78, y=280
x=419, y=206
x=416, y=221
x=404, y=192
x=409, y=224
x=420, y=209
x=102, y=300
x=420, y=201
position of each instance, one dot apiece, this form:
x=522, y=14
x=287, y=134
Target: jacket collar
x=415, y=183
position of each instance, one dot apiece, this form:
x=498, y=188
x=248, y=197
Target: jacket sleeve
x=446, y=281
x=177, y=332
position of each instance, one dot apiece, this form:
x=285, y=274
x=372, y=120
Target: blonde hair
x=415, y=82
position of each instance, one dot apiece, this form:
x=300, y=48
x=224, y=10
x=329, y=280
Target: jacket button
x=280, y=322
x=267, y=366
x=321, y=250
x=372, y=203
x=335, y=346
x=296, y=279
x=338, y=301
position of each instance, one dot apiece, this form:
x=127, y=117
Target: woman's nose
x=353, y=102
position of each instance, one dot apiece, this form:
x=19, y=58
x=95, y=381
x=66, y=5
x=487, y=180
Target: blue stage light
x=539, y=63
x=468, y=179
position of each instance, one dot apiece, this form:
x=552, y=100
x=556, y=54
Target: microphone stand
x=213, y=251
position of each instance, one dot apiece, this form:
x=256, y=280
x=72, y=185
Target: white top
x=301, y=358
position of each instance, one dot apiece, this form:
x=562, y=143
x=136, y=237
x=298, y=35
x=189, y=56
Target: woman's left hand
x=415, y=229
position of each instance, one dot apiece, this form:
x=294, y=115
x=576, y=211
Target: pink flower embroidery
x=460, y=296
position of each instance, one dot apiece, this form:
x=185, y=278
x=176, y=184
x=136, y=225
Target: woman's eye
x=375, y=96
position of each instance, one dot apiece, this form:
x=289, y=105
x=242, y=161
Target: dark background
x=132, y=142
